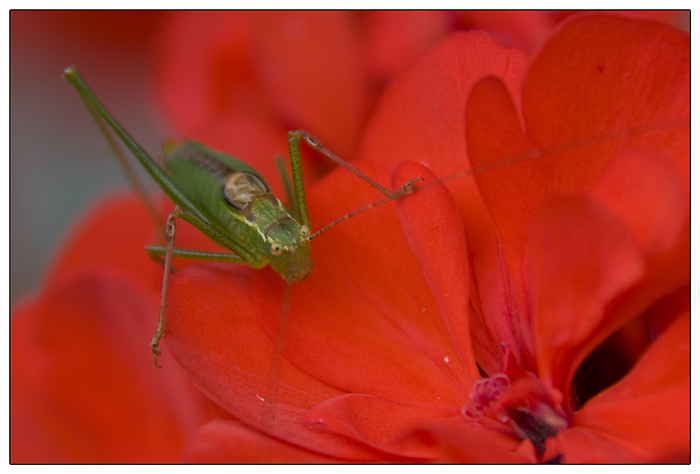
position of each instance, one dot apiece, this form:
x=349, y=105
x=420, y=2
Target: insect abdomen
x=202, y=173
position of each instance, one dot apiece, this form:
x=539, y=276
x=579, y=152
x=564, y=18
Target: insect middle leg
x=157, y=251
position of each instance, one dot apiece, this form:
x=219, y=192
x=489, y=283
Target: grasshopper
x=228, y=201
x=232, y=204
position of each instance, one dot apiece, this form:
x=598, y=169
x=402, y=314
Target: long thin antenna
x=586, y=142
x=577, y=144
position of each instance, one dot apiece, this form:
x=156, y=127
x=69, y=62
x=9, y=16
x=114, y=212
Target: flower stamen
x=523, y=409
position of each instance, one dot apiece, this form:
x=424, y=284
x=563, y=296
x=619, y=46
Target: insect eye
x=304, y=231
x=275, y=249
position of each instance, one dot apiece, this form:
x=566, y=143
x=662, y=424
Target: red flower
x=525, y=270
x=83, y=388
x=522, y=272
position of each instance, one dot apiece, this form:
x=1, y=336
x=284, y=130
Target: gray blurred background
x=58, y=160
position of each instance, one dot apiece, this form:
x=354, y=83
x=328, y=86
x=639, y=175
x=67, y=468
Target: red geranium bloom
x=521, y=271
x=525, y=270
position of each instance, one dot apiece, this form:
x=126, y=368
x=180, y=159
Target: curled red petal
x=581, y=258
x=492, y=115
x=435, y=231
x=494, y=132
x=646, y=416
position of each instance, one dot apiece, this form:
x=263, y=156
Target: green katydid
x=231, y=203
x=228, y=201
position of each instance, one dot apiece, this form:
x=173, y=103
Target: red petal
x=646, y=416
x=310, y=65
x=652, y=200
x=214, y=332
x=492, y=116
x=625, y=73
x=459, y=442
x=383, y=424
x=580, y=258
x=83, y=384
x=230, y=442
x=424, y=216
x=394, y=38
x=366, y=302
x=421, y=118
x=524, y=29
x=101, y=242
x=648, y=194
x=569, y=97
x=206, y=69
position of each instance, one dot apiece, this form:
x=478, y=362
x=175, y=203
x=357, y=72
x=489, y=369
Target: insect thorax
x=240, y=189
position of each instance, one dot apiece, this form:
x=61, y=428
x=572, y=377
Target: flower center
x=525, y=410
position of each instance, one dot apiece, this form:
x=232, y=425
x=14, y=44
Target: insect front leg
x=170, y=242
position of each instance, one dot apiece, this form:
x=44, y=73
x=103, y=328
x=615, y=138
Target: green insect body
x=228, y=201
x=240, y=200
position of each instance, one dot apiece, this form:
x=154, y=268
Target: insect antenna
x=576, y=144
x=348, y=216
x=585, y=142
